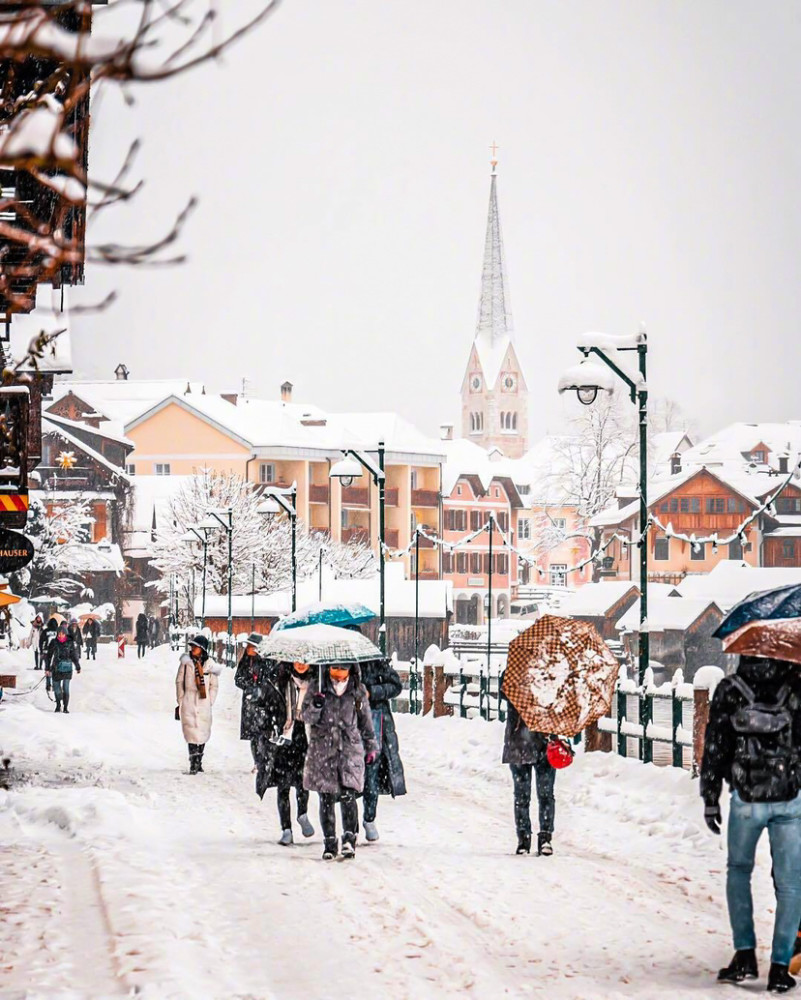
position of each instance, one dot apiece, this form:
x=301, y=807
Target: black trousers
x=141, y=649
x=371, y=790
x=284, y=812
x=544, y=775
x=349, y=810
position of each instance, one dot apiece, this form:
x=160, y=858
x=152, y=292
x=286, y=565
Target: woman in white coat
x=196, y=691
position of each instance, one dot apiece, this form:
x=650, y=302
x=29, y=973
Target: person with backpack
x=753, y=742
x=336, y=711
x=62, y=656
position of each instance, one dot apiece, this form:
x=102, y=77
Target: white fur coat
x=196, y=711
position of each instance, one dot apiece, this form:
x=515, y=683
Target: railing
x=318, y=494
x=355, y=496
x=391, y=537
x=391, y=496
x=355, y=535
x=425, y=498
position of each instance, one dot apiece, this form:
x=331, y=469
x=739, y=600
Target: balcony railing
x=318, y=494
x=355, y=496
x=56, y=478
x=356, y=535
x=391, y=496
x=426, y=543
x=425, y=498
x=429, y=574
x=391, y=537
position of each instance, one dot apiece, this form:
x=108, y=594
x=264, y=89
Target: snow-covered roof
x=736, y=441
x=436, y=597
x=108, y=429
x=666, y=613
x=51, y=427
x=123, y=399
x=732, y=579
x=48, y=317
x=95, y=557
x=491, y=354
x=595, y=599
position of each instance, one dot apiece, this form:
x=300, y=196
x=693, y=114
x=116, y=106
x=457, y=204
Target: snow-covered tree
x=261, y=544
x=57, y=535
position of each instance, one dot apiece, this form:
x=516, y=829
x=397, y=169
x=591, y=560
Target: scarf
x=200, y=683
x=296, y=689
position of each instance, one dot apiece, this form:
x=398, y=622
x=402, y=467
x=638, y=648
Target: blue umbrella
x=337, y=613
x=765, y=605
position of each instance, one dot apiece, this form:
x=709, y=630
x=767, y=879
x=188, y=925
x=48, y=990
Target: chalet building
x=494, y=391
x=701, y=502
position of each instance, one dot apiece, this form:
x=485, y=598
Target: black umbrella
x=765, y=605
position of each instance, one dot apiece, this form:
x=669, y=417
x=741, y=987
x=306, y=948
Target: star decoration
x=67, y=460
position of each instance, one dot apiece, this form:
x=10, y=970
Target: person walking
x=341, y=740
x=525, y=751
x=752, y=742
x=47, y=637
x=37, y=625
x=154, y=628
x=74, y=630
x=62, y=656
x=385, y=775
x=196, y=687
x=142, y=633
x=91, y=633
x=250, y=678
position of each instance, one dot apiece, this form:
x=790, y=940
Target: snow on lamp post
x=277, y=500
x=349, y=468
x=587, y=379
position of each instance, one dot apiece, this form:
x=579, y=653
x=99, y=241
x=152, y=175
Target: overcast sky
x=649, y=170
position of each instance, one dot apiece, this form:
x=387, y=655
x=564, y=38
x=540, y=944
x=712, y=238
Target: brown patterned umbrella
x=560, y=675
x=779, y=638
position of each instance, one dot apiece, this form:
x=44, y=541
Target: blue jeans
x=61, y=688
x=782, y=820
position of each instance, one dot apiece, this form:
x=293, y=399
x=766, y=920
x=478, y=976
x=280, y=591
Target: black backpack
x=766, y=763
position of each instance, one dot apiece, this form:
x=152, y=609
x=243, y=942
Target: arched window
x=514, y=421
x=476, y=422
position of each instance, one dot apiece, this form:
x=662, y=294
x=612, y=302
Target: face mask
x=61, y=637
x=339, y=673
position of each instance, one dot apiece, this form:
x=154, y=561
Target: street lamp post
x=225, y=519
x=587, y=379
x=277, y=500
x=346, y=471
x=200, y=532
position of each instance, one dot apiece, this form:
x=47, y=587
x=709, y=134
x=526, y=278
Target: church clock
x=509, y=382
x=475, y=383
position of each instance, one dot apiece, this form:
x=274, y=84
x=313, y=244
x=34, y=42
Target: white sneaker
x=286, y=838
x=370, y=831
x=305, y=826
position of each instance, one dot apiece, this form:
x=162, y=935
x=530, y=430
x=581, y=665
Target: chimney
x=122, y=373
x=784, y=464
x=446, y=432
x=229, y=397
x=675, y=464
x=286, y=392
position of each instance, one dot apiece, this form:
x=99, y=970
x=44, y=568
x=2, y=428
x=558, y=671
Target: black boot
x=200, y=748
x=193, y=759
x=331, y=849
x=779, y=979
x=742, y=966
x=544, y=846
x=66, y=704
x=523, y=843
x=348, y=846
x=58, y=705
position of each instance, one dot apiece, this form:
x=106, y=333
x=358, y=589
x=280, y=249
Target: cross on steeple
x=494, y=150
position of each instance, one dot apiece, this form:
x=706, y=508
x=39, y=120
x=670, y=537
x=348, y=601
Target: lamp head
x=346, y=471
x=587, y=379
x=269, y=506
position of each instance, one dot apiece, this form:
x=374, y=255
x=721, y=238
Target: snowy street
x=121, y=873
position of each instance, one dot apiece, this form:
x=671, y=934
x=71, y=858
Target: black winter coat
x=383, y=683
x=521, y=745
x=276, y=766
x=765, y=677
x=141, y=628
x=251, y=677
x=59, y=652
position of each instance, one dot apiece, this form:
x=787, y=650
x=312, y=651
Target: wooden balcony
x=425, y=498
x=355, y=496
x=391, y=537
x=318, y=494
x=426, y=543
x=428, y=574
x=391, y=496
x=355, y=535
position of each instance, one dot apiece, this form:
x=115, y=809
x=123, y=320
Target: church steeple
x=494, y=307
x=494, y=391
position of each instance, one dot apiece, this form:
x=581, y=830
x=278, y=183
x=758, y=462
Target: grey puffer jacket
x=340, y=735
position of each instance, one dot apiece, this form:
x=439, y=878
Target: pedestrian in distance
x=62, y=657
x=282, y=744
x=753, y=742
x=37, y=626
x=196, y=687
x=250, y=678
x=142, y=634
x=47, y=637
x=385, y=775
x=74, y=630
x=337, y=713
x=154, y=628
x=91, y=633
x=526, y=753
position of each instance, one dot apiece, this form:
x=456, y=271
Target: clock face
x=509, y=382
x=475, y=383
